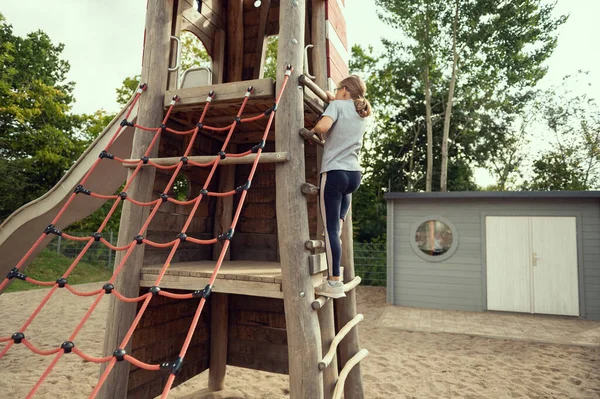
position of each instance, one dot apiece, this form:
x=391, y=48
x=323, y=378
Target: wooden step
x=266, y=157
x=309, y=189
x=313, y=138
x=324, y=363
x=354, y=360
x=322, y=300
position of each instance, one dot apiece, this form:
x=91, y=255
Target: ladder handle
x=178, y=62
x=323, y=364
x=339, y=386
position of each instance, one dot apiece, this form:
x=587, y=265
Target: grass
x=50, y=266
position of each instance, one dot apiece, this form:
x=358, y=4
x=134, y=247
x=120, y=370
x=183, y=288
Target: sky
x=103, y=42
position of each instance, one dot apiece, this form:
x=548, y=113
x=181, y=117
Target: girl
x=343, y=124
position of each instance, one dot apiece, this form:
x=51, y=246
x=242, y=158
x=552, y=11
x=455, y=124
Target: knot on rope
x=172, y=367
x=163, y=127
x=222, y=154
x=204, y=293
x=18, y=337
x=227, y=236
x=139, y=239
x=184, y=160
x=105, y=154
x=50, y=229
x=125, y=122
x=164, y=197
x=238, y=120
x=199, y=125
x=119, y=354
x=123, y=195
x=259, y=146
x=81, y=189
x=182, y=237
x=154, y=290
x=244, y=187
x=67, y=346
x=108, y=288
x=61, y=282
x=15, y=273
x=97, y=236
x=144, y=160
x=203, y=191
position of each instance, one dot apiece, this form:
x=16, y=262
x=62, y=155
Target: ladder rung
x=265, y=157
x=309, y=189
x=323, y=364
x=313, y=138
x=322, y=300
x=339, y=386
x=314, y=244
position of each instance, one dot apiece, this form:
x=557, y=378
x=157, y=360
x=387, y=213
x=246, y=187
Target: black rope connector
x=139, y=239
x=119, y=354
x=205, y=293
x=203, y=191
x=143, y=86
x=163, y=127
x=245, y=186
x=52, y=230
x=238, y=120
x=154, y=290
x=288, y=67
x=222, y=154
x=259, y=146
x=144, y=160
x=104, y=154
x=81, y=189
x=18, y=337
x=175, y=98
x=97, y=236
x=184, y=160
x=15, y=273
x=250, y=89
x=173, y=367
x=67, y=346
x=182, y=237
x=268, y=111
x=164, y=197
x=211, y=93
x=108, y=287
x=61, y=282
x=227, y=236
x=123, y=195
x=199, y=125
x=125, y=122
x=275, y=107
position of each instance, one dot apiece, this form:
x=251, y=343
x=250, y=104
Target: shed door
x=508, y=273
x=532, y=265
x=554, y=259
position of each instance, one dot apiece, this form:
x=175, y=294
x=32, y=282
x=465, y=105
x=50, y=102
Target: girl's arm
x=322, y=126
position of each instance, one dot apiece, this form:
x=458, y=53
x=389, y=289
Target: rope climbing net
x=120, y=354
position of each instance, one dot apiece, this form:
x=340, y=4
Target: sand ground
x=401, y=364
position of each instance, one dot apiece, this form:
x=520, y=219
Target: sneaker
x=330, y=288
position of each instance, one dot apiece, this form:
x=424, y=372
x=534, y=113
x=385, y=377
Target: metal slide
x=21, y=229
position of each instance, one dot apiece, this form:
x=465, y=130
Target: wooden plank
x=154, y=73
x=261, y=41
x=317, y=263
x=239, y=302
x=337, y=69
x=318, y=37
x=235, y=40
x=271, y=335
x=257, y=362
x=218, y=56
x=266, y=157
x=304, y=338
x=233, y=92
x=218, y=341
x=224, y=212
x=337, y=20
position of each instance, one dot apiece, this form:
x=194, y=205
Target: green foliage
x=124, y=93
x=557, y=170
x=270, y=68
x=49, y=266
x=193, y=52
x=39, y=138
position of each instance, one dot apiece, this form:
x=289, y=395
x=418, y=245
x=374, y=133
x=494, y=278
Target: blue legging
x=335, y=196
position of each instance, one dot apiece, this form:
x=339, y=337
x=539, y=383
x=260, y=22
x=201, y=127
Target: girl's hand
x=330, y=96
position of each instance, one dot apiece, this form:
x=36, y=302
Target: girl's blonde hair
x=357, y=89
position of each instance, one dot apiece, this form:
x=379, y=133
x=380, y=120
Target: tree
x=489, y=50
x=39, y=138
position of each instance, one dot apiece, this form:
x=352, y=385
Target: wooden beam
x=219, y=306
x=175, y=31
x=304, y=337
x=235, y=40
x=318, y=37
x=154, y=73
x=230, y=92
x=224, y=211
x=218, y=56
x=345, y=309
x=261, y=40
x=314, y=88
x=317, y=263
x=265, y=157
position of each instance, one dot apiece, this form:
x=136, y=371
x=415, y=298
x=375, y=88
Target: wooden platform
x=261, y=279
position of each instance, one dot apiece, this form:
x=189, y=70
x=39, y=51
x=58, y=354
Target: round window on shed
x=434, y=238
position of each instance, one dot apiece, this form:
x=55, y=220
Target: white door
x=532, y=265
x=554, y=259
x=508, y=272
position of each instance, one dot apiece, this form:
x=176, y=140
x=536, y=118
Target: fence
x=369, y=258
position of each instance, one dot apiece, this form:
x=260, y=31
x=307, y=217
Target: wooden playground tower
x=262, y=313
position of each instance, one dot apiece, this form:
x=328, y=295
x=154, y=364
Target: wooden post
x=345, y=310
x=173, y=80
x=154, y=73
x=235, y=40
x=218, y=56
x=319, y=70
x=224, y=211
x=218, y=341
x=304, y=338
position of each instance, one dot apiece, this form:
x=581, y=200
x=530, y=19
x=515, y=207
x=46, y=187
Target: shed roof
x=496, y=195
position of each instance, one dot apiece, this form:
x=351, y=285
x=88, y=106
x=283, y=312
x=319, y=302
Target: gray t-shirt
x=344, y=139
